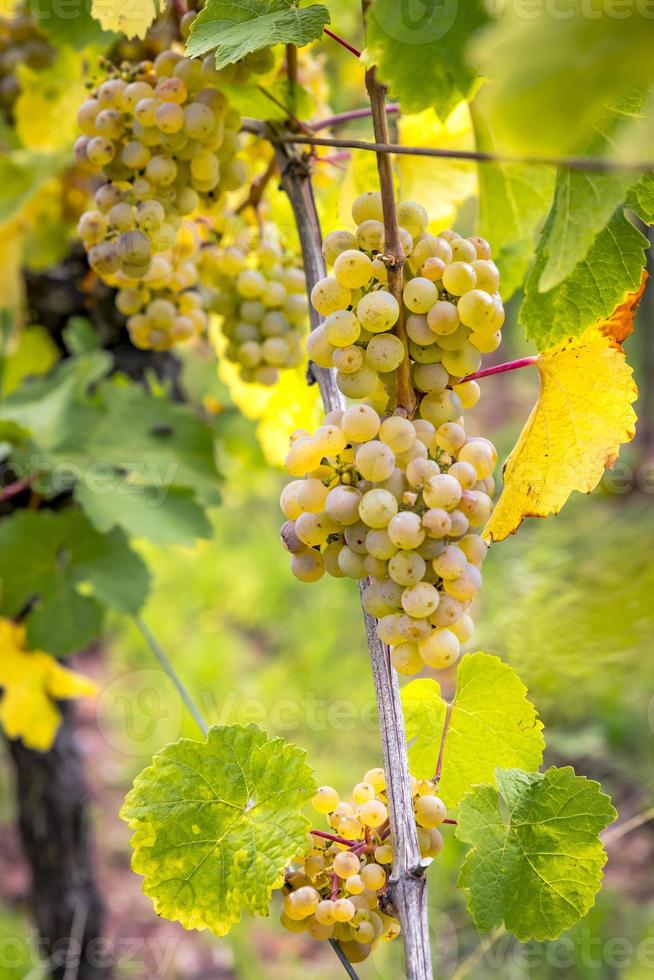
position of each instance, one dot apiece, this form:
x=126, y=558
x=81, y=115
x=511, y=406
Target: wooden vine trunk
x=54, y=823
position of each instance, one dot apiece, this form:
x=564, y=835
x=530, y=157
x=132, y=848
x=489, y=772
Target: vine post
x=407, y=886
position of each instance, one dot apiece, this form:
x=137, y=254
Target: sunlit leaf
x=31, y=683
x=491, y=723
x=583, y=415
x=216, y=823
x=536, y=859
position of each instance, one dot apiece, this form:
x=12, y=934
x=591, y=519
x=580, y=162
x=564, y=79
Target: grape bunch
x=21, y=43
x=452, y=311
x=261, y=296
x=166, y=141
x=336, y=889
x=402, y=503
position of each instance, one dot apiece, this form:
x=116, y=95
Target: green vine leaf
x=69, y=572
x=491, y=721
x=217, y=822
x=421, y=53
x=235, y=30
x=611, y=271
x=536, y=859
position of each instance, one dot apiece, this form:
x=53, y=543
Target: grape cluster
x=261, y=296
x=336, y=889
x=21, y=43
x=399, y=502
x=165, y=139
x=452, y=311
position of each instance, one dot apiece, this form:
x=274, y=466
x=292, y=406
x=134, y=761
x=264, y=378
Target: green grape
x=406, y=532
x=358, y=384
x=420, y=294
x=378, y=311
x=439, y=650
x=367, y=207
x=384, y=353
x=360, y=423
x=459, y=277
x=443, y=318
x=413, y=217
x=476, y=310
x=370, y=235
x=463, y=361
x=337, y=242
x=348, y=360
x=342, y=328
x=100, y=151
x=328, y=296
x=374, y=460
x=169, y=117
x=440, y=406
x=353, y=269
x=376, y=509
x=430, y=377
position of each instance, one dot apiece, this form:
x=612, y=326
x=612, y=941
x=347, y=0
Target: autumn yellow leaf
x=279, y=410
x=440, y=185
x=31, y=682
x=583, y=415
x=129, y=17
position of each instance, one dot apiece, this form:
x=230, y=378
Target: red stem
x=342, y=117
x=454, y=823
x=13, y=489
x=333, y=837
x=345, y=44
x=501, y=368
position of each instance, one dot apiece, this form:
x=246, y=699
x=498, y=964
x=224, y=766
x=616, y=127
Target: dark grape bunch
x=336, y=889
x=22, y=42
x=261, y=296
x=166, y=139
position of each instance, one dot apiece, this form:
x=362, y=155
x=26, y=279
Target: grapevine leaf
x=46, y=109
x=235, y=30
x=255, y=100
x=68, y=571
x=491, y=722
x=602, y=281
x=129, y=17
x=22, y=172
x=216, y=823
x=584, y=201
x=583, y=414
x=641, y=199
x=35, y=354
x=528, y=59
x=420, y=52
x=514, y=199
x=31, y=682
x=65, y=26
x=536, y=859
x=165, y=515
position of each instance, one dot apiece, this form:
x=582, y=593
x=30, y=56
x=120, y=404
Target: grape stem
x=394, y=253
x=592, y=164
x=407, y=888
x=441, y=751
x=257, y=188
x=501, y=368
x=13, y=489
x=343, y=117
x=343, y=43
x=334, y=837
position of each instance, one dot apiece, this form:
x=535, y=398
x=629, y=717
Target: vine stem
x=441, y=751
x=595, y=164
x=343, y=43
x=501, y=368
x=13, y=489
x=407, y=885
x=343, y=117
x=394, y=257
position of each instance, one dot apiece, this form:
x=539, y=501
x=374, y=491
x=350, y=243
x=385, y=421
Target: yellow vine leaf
x=32, y=681
x=440, y=185
x=129, y=17
x=46, y=109
x=583, y=415
x=12, y=236
x=287, y=405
